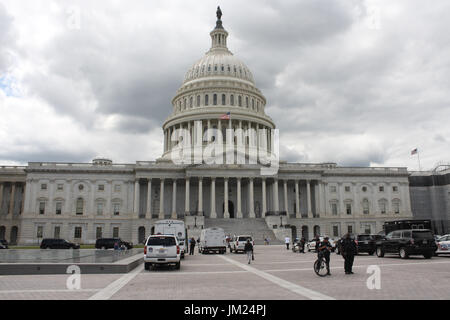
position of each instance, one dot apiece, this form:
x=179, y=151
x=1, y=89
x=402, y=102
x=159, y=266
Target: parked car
x=443, y=245
x=162, y=250
x=58, y=244
x=108, y=243
x=367, y=243
x=407, y=242
x=311, y=245
x=4, y=244
x=239, y=242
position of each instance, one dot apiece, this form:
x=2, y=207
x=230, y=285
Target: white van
x=173, y=227
x=212, y=240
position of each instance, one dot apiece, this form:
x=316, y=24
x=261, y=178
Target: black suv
x=58, y=244
x=407, y=242
x=4, y=244
x=108, y=243
x=367, y=243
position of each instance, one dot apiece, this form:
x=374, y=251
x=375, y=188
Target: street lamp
x=281, y=221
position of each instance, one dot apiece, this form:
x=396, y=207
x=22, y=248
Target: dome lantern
x=219, y=35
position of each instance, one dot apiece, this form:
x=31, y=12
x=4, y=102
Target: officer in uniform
x=348, y=250
x=324, y=249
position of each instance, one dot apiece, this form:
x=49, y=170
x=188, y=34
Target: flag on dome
x=226, y=116
x=414, y=151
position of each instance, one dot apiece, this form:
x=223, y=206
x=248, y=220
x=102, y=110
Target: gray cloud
x=338, y=89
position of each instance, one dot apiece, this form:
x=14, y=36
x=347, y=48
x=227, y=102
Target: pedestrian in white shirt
x=287, y=240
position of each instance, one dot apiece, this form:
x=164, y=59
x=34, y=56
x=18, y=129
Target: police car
x=443, y=245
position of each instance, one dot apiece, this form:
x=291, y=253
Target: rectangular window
x=44, y=186
x=115, y=232
x=335, y=231
x=350, y=229
x=60, y=187
x=333, y=189
x=58, y=207
x=117, y=188
x=395, y=188
x=77, y=233
x=396, y=206
x=116, y=208
x=79, y=208
x=348, y=208
x=383, y=207
x=381, y=188
x=41, y=207
x=334, y=209
x=347, y=189
x=100, y=208
x=57, y=232
x=40, y=232
x=98, y=232
x=101, y=187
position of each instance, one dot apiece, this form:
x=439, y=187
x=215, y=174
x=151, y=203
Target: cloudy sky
x=359, y=83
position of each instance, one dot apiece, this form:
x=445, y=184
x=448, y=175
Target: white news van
x=212, y=239
x=173, y=227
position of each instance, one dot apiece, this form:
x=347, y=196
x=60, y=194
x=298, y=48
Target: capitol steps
x=256, y=227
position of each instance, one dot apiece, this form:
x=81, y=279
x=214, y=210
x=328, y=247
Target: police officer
x=324, y=249
x=348, y=251
x=302, y=245
x=191, y=246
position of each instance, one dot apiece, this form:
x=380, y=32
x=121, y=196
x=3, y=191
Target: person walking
x=323, y=250
x=248, y=249
x=302, y=245
x=348, y=251
x=191, y=246
x=287, y=241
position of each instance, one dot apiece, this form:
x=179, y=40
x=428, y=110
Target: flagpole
x=418, y=159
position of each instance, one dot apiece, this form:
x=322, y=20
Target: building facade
x=430, y=197
x=219, y=145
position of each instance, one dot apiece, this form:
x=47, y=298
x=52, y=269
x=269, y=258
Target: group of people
x=192, y=244
x=347, y=248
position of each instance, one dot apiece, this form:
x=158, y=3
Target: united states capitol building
x=219, y=168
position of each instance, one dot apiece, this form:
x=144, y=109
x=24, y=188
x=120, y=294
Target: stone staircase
x=256, y=227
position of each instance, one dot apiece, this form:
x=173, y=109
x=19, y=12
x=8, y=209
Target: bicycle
x=320, y=267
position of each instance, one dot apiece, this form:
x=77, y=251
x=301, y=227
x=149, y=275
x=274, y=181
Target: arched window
x=79, y=206
x=246, y=102
x=215, y=99
x=198, y=101
x=253, y=104
x=240, y=101
x=209, y=68
x=223, y=99
x=232, y=100
x=222, y=68
x=206, y=100
x=184, y=103
x=191, y=102
x=215, y=67
x=365, y=205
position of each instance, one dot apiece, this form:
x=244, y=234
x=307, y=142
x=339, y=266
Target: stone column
x=276, y=205
x=136, y=198
x=23, y=198
x=320, y=195
x=239, y=199
x=297, y=201
x=252, y=200
x=149, y=199
x=208, y=132
x=11, y=200
x=226, y=213
x=213, y=198
x=200, y=196
x=308, y=197
x=161, y=200
x=264, y=200
x=186, y=202
x=316, y=199
x=286, y=197
x=1, y=196
x=174, y=199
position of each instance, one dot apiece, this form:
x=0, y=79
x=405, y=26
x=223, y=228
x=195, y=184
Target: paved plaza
x=276, y=274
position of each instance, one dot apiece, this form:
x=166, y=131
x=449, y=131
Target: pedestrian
x=287, y=241
x=317, y=239
x=348, y=251
x=248, y=249
x=191, y=246
x=323, y=250
x=116, y=245
x=302, y=245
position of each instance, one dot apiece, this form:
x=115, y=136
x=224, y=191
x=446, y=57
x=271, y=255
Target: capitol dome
x=218, y=92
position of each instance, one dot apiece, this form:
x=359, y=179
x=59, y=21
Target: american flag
x=414, y=151
x=226, y=116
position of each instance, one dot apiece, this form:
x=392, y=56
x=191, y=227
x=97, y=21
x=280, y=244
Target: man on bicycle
x=324, y=251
